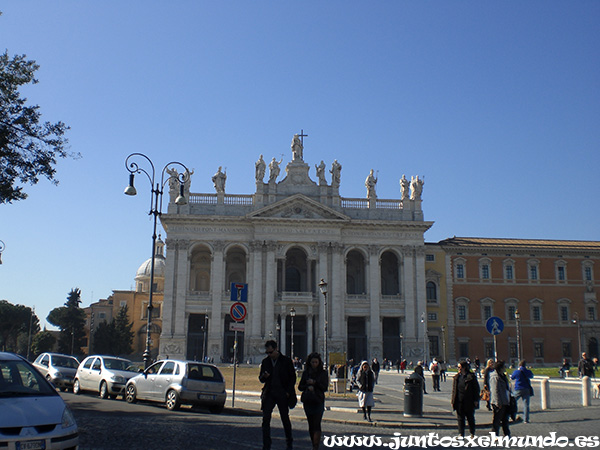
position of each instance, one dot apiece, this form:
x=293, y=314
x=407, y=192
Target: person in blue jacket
x=522, y=388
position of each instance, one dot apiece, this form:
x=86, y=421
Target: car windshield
x=117, y=364
x=65, y=361
x=19, y=379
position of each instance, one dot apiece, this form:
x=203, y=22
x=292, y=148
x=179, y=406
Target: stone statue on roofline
x=416, y=187
x=404, y=188
x=297, y=148
x=370, y=184
x=260, y=166
x=274, y=169
x=321, y=173
x=219, y=180
x=336, y=171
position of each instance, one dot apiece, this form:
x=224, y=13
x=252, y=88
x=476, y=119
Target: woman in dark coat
x=500, y=398
x=366, y=381
x=313, y=385
x=465, y=397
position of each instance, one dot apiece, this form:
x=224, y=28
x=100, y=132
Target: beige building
x=282, y=240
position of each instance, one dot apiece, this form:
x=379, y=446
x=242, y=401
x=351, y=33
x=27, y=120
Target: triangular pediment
x=298, y=206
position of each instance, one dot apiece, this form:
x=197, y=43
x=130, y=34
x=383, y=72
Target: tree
x=71, y=321
x=28, y=148
x=42, y=342
x=116, y=337
x=14, y=321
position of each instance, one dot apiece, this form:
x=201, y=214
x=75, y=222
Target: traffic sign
x=237, y=326
x=239, y=292
x=238, y=311
x=494, y=325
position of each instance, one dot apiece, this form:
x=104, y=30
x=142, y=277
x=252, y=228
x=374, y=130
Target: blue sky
x=496, y=104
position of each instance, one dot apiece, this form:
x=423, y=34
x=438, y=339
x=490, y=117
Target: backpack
x=435, y=369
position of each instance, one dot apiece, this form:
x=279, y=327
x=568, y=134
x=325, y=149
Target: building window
x=432, y=317
x=102, y=315
x=463, y=349
x=508, y=272
x=513, y=350
x=123, y=303
x=489, y=350
x=561, y=273
x=566, y=349
x=431, y=292
x=538, y=349
x=533, y=272
x=536, y=313
x=587, y=273
x=591, y=313
x=460, y=271
x=564, y=313
x=512, y=309
x=485, y=272
x=487, y=312
x=429, y=257
x=462, y=312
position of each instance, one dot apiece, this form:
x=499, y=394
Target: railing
x=203, y=199
x=239, y=200
x=388, y=204
x=357, y=203
x=296, y=296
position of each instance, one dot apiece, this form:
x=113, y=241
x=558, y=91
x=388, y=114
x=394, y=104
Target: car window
x=88, y=363
x=64, y=361
x=168, y=368
x=97, y=364
x=154, y=368
x=116, y=364
x=44, y=361
x=202, y=372
x=177, y=369
x=19, y=379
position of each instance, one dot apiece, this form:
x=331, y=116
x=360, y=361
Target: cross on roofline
x=302, y=136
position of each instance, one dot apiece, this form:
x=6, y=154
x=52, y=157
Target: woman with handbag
x=313, y=385
x=500, y=399
x=523, y=388
x=465, y=397
x=489, y=368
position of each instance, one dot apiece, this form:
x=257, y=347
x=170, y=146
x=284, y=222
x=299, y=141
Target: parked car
x=179, y=382
x=58, y=369
x=105, y=375
x=32, y=414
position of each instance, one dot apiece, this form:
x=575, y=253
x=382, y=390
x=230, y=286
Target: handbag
x=485, y=395
x=531, y=391
x=309, y=397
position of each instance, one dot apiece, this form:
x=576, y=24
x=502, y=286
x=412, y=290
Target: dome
x=142, y=276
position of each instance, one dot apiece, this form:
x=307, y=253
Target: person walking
x=419, y=371
x=366, y=382
x=375, y=367
x=523, y=389
x=465, y=397
x=489, y=368
x=477, y=367
x=313, y=385
x=585, y=367
x=500, y=399
x=443, y=369
x=434, y=368
x=279, y=377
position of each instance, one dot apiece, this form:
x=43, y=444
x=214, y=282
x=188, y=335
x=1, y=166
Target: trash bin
x=413, y=396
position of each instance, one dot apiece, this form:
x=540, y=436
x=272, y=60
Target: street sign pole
x=495, y=349
x=234, y=367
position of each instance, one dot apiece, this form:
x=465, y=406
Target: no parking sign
x=238, y=311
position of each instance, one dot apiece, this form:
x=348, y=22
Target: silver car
x=179, y=382
x=58, y=369
x=105, y=375
x=32, y=414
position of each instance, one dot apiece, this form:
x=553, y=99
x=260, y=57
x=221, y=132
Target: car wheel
x=76, y=387
x=130, y=394
x=218, y=409
x=103, y=390
x=172, y=401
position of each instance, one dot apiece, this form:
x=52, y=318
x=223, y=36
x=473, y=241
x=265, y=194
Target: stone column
x=182, y=269
x=336, y=298
x=420, y=295
x=412, y=315
x=322, y=273
x=216, y=325
x=283, y=343
x=309, y=332
x=255, y=301
x=375, y=344
x=271, y=286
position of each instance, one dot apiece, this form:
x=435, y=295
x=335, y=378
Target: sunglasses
x=268, y=352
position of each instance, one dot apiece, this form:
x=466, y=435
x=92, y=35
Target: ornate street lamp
x=204, y=336
x=292, y=315
x=577, y=322
x=155, y=210
x=518, y=321
x=425, y=356
x=323, y=288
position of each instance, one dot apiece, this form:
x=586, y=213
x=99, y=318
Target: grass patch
x=246, y=378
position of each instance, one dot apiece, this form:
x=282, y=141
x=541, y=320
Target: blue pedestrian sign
x=239, y=292
x=494, y=325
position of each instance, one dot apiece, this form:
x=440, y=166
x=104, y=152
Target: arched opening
x=200, y=262
x=390, y=281
x=355, y=273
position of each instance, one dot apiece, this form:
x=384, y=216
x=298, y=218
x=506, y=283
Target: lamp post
x=444, y=342
x=323, y=288
x=292, y=315
x=278, y=329
x=204, y=336
x=576, y=321
x=2, y=247
x=424, y=338
x=518, y=320
x=401, y=337
x=155, y=210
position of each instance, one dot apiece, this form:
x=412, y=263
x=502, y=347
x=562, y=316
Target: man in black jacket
x=465, y=397
x=278, y=374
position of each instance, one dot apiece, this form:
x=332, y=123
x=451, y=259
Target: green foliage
x=71, y=321
x=116, y=337
x=15, y=320
x=28, y=148
x=42, y=342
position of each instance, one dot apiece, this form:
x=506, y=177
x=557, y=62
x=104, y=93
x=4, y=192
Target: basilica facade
x=282, y=240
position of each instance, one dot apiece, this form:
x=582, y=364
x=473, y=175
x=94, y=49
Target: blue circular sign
x=238, y=312
x=494, y=325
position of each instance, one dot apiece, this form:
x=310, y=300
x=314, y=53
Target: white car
x=105, y=375
x=32, y=414
x=58, y=369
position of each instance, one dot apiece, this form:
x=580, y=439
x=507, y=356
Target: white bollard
x=586, y=391
x=545, y=394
